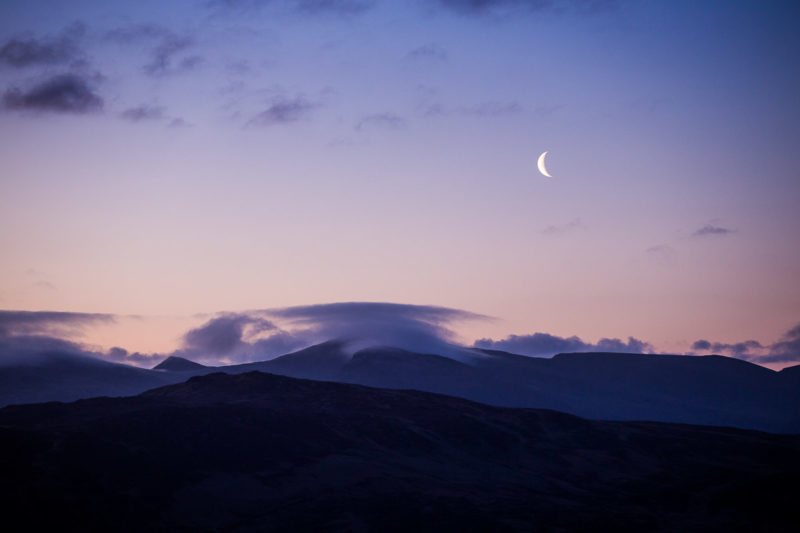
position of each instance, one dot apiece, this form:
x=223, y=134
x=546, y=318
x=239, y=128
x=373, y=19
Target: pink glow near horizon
x=407, y=172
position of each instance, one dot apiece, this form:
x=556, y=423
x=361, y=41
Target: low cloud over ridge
x=545, y=345
x=257, y=335
x=26, y=336
x=47, y=323
x=785, y=350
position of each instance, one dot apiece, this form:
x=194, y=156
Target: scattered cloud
x=65, y=93
x=428, y=52
x=389, y=121
x=738, y=349
x=505, y=7
x=546, y=111
x=308, y=7
x=339, y=7
x=61, y=50
x=136, y=33
x=544, y=344
x=178, y=123
x=434, y=110
x=492, y=109
x=39, y=280
x=785, y=350
x=169, y=52
x=572, y=225
x=143, y=112
x=710, y=229
x=168, y=57
x=661, y=254
x=283, y=111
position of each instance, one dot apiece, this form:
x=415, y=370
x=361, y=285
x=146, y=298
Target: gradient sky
x=175, y=161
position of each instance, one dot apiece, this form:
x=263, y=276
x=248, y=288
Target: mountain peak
x=173, y=363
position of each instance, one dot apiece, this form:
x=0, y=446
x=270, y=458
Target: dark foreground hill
x=259, y=452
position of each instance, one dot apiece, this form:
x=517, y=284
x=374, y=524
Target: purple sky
x=231, y=155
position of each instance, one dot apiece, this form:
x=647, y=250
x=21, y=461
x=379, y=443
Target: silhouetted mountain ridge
x=707, y=390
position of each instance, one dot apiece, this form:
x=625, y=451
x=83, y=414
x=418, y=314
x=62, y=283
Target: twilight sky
x=163, y=162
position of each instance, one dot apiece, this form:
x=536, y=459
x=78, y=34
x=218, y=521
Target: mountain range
x=707, y=390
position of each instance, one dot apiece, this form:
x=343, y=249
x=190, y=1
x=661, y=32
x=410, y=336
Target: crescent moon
x=542, y=168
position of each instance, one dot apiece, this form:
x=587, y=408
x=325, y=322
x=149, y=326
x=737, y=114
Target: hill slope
x=66, y=377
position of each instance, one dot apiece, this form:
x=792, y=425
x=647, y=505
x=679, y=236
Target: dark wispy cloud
x=662, y=254
x=30, y=51
x=39, y=280
x=544, y=344
x=143, y=112
x=178, y=123
x=309, y=7
x=785, y=350
x=283, y=111
x=546, y=111
x=558, y=229
x=491, y=109
x=47, y=323
x=390, y=121
x=65, y=93
x=473, y=7
x=340, y=7
x=711, y=229
x=428, y=52
x=137, y=33
x=501, y=7
x=169, y=57
x=170, y=52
